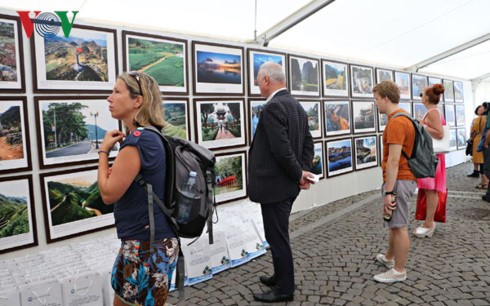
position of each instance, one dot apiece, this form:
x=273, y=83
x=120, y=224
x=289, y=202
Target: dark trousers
x=486, y=166
x=276, y=228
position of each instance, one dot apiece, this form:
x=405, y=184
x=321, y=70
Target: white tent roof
x=397, y=34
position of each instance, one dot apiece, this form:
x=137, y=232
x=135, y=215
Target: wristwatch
x=389, y=193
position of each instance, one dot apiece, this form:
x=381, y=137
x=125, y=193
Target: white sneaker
x=391, y=276
x=381, y=258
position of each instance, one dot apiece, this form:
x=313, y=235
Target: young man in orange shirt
x=399, y=183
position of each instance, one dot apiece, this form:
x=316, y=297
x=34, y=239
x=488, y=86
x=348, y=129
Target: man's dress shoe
x=268, y=281
x=272, y=297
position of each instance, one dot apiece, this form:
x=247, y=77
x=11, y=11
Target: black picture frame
x=15, y=155
x=74, y=72
x=304, y=76
x=166, y=60
x=362, y=81
x=257, y=57
x=217, y=69
x=64, y=216
x=12, y=79
x=339, y=157
x=366, y=152
x=16, y=210
x=234, y=185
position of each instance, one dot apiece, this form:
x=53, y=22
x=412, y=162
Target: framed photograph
x=366, y=152
x=18, y=221
x=402, y=79
x=419, y=82
x=314, y=111
x=317, y=164
x=176, y=114
x=460, y=120
x=448, y=90
x=72, y=204
x=364, y=114
x=418, y=111
x=231, y=182
x=458, y=92
x=304, y=76
x=86, y=61
x=382, y=121
x=362, y=81
x=163, y=58
x=461, y=138
x=335, y=79
x=339, y=156
x=406, y=107
x=12, y=55
x=433, y=81
x=219, y=123
x=337, y=118
x=255, y=108
x=384, y=75
x=218, y=69
x=453, y=142
x=15, y=153
x=450, y=114
x=256, y=58
x=70, y=130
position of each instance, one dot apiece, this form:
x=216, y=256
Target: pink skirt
x=438, y=182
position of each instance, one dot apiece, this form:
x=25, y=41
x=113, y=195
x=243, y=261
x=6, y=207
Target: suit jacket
x=281, y=149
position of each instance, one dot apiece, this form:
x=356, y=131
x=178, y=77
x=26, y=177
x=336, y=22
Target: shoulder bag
x=441, y=145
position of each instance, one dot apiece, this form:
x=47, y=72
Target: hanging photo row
x=210, y=96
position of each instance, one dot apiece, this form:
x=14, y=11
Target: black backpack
x=423, y=161
x=183, y=156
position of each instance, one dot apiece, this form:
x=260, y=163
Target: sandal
x=481, y=186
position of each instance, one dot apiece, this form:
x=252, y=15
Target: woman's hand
x=110, y=139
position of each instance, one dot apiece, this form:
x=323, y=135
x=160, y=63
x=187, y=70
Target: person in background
x=139, y=277
x=486, y=150
x=281, y=152
x=399, y=182
x=433, y=121
x=477, y=127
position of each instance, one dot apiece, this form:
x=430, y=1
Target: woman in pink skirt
x=433, y=120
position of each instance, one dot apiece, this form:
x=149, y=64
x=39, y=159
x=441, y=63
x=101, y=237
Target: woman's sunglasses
x=136, y=75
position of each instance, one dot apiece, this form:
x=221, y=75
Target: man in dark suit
x=281, y=150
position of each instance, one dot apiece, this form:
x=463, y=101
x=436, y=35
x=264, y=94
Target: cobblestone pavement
x=334, y=248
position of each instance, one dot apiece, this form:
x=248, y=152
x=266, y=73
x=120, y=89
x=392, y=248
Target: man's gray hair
x=274, y=71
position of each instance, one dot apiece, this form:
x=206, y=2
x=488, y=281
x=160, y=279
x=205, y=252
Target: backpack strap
x=417, y=136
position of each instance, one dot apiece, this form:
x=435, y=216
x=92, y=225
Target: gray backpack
x=423, y=161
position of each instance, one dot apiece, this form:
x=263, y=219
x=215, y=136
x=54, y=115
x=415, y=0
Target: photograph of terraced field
x=163, y=59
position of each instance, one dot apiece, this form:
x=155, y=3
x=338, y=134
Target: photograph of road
x=72, y=130
x=164, y=60
x=80, y=57
x=72, y=199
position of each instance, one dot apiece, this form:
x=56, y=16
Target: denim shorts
x=142, y=277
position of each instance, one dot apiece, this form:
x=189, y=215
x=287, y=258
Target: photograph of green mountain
x=80, y=57
x=162, y=59
x=71, y=199
x=16, y=224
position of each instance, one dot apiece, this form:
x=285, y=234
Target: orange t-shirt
x=399, y=131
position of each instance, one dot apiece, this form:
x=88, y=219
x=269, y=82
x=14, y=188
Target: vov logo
x=47, y=24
